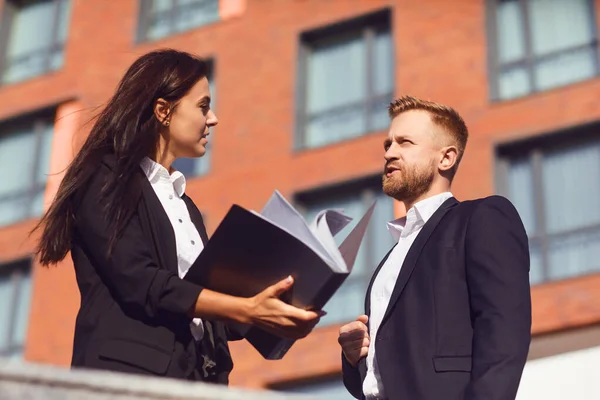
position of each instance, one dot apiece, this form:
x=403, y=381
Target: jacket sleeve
x=497, y=267
x=351, y=378
x=131, y=273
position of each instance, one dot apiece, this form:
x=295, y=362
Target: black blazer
x=459, y=318
x=132, y=316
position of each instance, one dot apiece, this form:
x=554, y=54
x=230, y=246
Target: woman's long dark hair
x=127, y=129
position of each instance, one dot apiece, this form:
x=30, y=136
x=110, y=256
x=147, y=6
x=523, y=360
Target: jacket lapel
x=196, y=218
x=161, y=229
x=412, y=257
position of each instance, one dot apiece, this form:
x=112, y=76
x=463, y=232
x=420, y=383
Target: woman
x=132, y=232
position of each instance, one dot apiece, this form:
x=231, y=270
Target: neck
x=164, y=157
x=434, y=190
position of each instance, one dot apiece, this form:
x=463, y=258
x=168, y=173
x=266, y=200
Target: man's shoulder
x=494, y=201
x=489, y=209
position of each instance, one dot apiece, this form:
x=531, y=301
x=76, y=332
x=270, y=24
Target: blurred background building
x=301, y=89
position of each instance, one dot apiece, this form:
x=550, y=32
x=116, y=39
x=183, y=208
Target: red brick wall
x=440, y=53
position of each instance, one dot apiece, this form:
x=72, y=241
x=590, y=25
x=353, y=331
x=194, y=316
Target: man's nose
x=391, y=153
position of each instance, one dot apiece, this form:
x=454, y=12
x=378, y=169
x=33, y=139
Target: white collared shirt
x=169, y=189
x=404, y=231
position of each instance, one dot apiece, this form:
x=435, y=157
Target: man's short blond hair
x=444, y=116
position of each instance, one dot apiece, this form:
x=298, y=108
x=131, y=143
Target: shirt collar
x=157, y=173
x=417, y=216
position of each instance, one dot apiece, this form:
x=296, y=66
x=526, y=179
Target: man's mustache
x=392, y=166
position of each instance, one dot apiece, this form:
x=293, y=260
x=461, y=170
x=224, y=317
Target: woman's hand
x=265, y=310
x=268, y=312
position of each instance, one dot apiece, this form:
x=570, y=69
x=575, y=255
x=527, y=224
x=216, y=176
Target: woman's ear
x=162, y=111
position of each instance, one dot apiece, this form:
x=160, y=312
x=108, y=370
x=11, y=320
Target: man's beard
x=412, y=183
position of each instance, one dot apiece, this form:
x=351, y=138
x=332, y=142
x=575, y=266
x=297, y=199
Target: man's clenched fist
x=354, y=339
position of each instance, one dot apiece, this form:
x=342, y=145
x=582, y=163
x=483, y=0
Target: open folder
x=250, y=251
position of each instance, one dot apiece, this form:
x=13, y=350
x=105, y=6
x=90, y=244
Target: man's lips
x=390, y=169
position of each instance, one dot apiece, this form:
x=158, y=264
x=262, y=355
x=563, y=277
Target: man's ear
x=162, y=111
x=449, y=156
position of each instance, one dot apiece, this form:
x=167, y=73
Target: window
x=555, y=186
x=15, y=294
x=346, y=80
x=541, y=44
x=27, y=52
x=331, y=389
x=25, y=147
x=161, y=18
x=355, y=198
x=191, y=167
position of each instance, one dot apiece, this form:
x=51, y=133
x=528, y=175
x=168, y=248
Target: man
x=448, y=311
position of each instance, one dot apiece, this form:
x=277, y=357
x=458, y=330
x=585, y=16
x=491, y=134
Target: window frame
x=9, y=11
x=38, y=121
x=18, y=270
x=144, y=18
x=533, y=149
x=365, y=25
x=495, y=68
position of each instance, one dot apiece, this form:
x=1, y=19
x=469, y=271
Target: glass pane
x=194, y=13
x=565, y=68
x=64, y=16
x=379, y=238
x=22, y=68
x=336, y=73
x=14, y=356
x=383, y=64
x=13, y=210
x=335, y=126
x=159, y=24
x=16, y=155
x=347, y=303
x=28, y=49
x=571, y=183
x=57, y=59
x=22, y=307
x=203, y=164
x=45, y=151
x=574, y=254
x=559, y=25
x=510, y=31
x=380, y=119
x=36, y=207
x=520, y=191
x=513, y=83
x=536, y=271
x=161, y=6
x=6, y=309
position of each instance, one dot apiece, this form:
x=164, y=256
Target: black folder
x=248, y=252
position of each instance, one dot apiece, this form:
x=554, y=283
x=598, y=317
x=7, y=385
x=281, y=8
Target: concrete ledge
x=35, y=381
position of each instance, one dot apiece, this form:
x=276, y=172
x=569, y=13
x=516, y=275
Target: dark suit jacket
x=459, y=318
x=132, y=316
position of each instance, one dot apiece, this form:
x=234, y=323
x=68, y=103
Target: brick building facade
x=300, y=90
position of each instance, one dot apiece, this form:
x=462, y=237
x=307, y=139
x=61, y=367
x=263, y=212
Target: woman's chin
x=199, y=151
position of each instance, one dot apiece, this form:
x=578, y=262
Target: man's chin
x=392, y=189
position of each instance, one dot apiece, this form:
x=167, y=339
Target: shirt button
x=180, y=220
x=170, y=197
x=193, y=242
